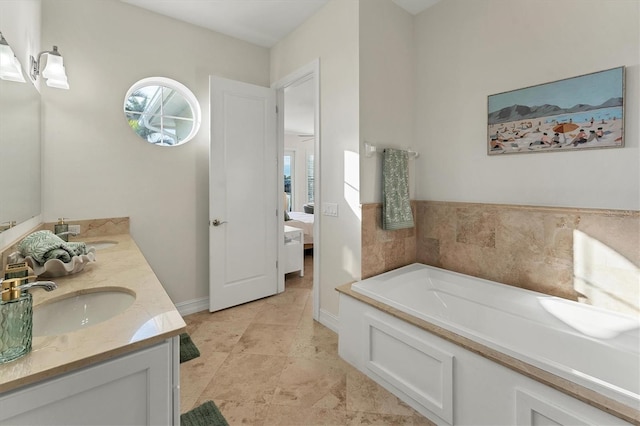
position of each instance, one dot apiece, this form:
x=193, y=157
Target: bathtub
x=596, y=349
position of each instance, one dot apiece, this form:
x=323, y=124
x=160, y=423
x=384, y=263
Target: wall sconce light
x=54, y=70
x=10, y=68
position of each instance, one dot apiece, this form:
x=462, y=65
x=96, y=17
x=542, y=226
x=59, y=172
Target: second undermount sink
x=101, y=245
x=79, y=310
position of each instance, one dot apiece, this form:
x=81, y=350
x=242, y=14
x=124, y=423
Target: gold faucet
x=16, y=280
x=12, y=287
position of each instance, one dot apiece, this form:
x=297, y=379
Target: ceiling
x=261, y=22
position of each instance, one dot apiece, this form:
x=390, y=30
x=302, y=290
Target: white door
x=243, y=194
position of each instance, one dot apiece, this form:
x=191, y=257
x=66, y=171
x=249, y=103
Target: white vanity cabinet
x=139, y=388
x=293, y=250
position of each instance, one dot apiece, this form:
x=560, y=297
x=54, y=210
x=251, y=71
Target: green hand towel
x=45, y=245
x=396, y=205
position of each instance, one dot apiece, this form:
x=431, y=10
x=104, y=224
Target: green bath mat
x=205, y=415
x=188, y=349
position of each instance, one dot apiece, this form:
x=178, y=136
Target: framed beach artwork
x=577, y=113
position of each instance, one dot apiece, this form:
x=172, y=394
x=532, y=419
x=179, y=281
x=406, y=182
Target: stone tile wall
x=96, y=227
x=384, y=250
x=588, y=255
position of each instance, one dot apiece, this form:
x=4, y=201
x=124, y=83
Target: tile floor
x=269, y=363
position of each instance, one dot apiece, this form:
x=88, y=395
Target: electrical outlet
x=330, y=209
x=74, y=228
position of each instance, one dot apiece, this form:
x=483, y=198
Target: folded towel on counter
x=396, y=206
x=45, y=245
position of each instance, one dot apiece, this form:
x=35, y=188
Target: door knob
x=216, y=222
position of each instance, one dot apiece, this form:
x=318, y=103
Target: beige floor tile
x=361, y=418
x=291, y=297
x=363, y=394
x=245, y=377
x=245, y=312
x=315, y=341
x=217, y=336
x=266, y=339
x=311, y=383
x=307, y=314
x=281, y=415
x=243, y=413
x=196, y=375
x=279, y=314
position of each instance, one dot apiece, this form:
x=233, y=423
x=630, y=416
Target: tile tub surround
x=385, y=250
x=589, y=255
x=151, y=319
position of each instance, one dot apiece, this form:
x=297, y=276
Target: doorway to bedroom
x=298, y=106
x=299, y=159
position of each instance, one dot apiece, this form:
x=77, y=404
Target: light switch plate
x=330, y=209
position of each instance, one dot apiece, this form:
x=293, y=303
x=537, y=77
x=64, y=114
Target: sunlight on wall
x=351, y=262
x=606, y=278
x=352, y=182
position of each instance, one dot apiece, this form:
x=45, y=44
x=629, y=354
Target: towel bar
x=370, y=149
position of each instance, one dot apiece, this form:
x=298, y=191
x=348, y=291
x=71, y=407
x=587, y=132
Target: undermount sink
x=79, y=310
x=101, y=245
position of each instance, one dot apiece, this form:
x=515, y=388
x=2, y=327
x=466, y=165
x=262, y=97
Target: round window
x=162, y=111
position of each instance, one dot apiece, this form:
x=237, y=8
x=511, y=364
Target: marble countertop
x=151, y=318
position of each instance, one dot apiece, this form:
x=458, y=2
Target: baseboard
x=329, y=320
x=193, y=306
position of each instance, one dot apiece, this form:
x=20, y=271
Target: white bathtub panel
x=417, y=368
x=536, y=411
x=523, y=324
x=484, y=392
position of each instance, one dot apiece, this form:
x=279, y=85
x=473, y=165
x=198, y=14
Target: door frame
x=309, y=71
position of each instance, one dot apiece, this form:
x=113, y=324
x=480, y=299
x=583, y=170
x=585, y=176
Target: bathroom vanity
x=121, y=370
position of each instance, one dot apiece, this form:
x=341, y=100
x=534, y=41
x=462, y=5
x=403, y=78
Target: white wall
x=386, y=89
x=332, y=35
x=467, y=50
x=20, y=25
x=95, y=166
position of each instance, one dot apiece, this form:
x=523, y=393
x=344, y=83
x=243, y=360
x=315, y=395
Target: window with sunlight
x=289, y=164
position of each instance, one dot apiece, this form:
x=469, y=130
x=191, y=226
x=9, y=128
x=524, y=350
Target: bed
x=302, y=221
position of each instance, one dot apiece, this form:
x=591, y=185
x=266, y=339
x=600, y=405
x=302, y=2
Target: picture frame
x=573, y=114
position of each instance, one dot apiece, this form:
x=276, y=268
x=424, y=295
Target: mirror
x=20, y=167
x=162, y=111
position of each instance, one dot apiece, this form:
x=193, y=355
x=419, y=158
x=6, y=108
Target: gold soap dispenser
x=16, y=311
